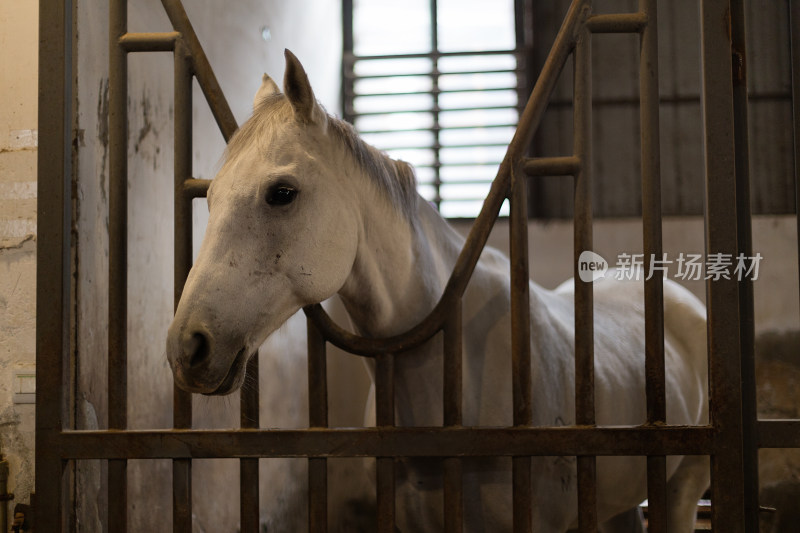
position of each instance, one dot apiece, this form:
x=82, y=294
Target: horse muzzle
x=201, y=365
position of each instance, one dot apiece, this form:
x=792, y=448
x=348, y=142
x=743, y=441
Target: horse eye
x=281, y=195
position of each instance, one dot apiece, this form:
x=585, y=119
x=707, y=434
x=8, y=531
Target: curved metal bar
x=465, y=264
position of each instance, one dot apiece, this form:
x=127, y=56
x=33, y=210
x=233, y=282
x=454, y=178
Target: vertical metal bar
x=655, y=389
x=584, y=319
x=722, y=295
x=53, y=249
x=182, y=401
x=317, y=418
x=520, y=343
x=453, y=478
x=248, y=468
x=117, y=257
x=745, y=247
x=794, y=35
x=347, y=58
x=384, y=411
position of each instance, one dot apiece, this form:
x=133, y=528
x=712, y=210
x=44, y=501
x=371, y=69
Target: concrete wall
x=18, y=151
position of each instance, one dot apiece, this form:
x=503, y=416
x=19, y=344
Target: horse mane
x=394, y=178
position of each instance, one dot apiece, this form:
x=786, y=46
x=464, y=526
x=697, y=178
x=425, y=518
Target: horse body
x=302, y=209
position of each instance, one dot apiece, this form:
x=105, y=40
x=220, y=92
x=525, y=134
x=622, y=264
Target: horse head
x=280, y=235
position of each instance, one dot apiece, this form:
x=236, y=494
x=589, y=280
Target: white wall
x=19, y=34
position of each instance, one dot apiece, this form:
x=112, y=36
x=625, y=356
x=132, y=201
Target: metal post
x=317, y=418
x=117, y=257
x=453, y=478
x=182, y=401
x=655, y=388
x=248, y=468
x=384, y=410
x=722, y=296
x=584, y=301
x=53, y=251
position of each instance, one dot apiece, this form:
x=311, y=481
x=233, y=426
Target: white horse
x=303, y=209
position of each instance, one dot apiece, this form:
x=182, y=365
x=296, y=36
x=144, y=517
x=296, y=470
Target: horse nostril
x=197, y=348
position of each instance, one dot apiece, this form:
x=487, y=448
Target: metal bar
x=722, y=296
x=520, y=344
x=655, y=384
x=435, y=91
x=453, y=475
x=202, y=69
x=385, y=471
x=182, y=400
x=794, y=36
x=248, y=468
x=552, y=166
x=149, y=42
x=745, y=247
x=117, y=258
x=439, y=128
x=584, y=301
x=388, y=441
x=348, y=75
x=195, y=188
x=317, y=418
x=778, y=433
x=53, y=252
x=618, y=22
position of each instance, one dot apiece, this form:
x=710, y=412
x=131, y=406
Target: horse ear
x=298, y=91
x=268, y=88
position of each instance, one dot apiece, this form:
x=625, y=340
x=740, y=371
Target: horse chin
x=234, y=378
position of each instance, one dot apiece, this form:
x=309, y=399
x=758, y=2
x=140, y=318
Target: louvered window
x=437, y=83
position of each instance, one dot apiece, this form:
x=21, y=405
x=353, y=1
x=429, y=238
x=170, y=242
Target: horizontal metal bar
x=387, y=442
x=149, y=42
x=766, y=96
x=778, y=433
x=552, y=166
x=348, y=57
x=444, y=146
x=195, y=188
x=617, y=23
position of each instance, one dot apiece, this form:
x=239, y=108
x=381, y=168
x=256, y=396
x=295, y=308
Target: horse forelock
x=394, y=178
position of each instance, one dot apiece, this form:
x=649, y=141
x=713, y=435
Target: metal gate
x=731, y=439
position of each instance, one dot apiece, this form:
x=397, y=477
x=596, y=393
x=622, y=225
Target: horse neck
x=400, y=269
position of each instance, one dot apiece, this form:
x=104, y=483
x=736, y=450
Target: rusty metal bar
x=182, y=400
x=453, y=475
x=745, y=247
x=195, y=188
x=618, y=22
x=520, y=345
x=722, y=296
x=202, y=69
x=53, y=252
x=584, y=301
x=389, y=441
x=479, y=234
x=655, y=382
x=317, y=418
x=248, y=468
x=778, y=433
x=384, y=411
x=551, y=166
x=149, y=42
x=794, y=36
x=117, y=258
